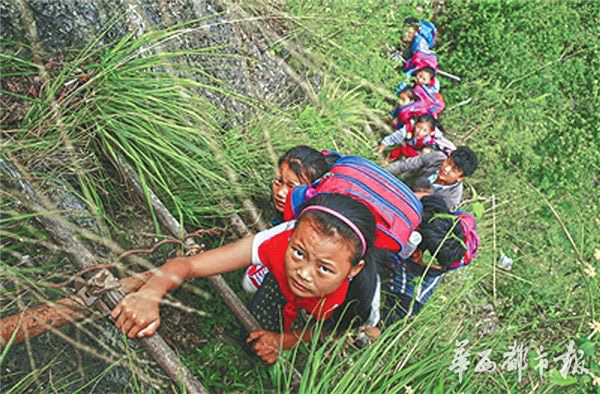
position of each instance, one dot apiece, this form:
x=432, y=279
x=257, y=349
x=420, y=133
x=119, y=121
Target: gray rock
x=247, y=60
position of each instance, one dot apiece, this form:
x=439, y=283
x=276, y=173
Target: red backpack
x=395, y=207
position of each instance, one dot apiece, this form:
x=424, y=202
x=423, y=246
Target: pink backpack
x=433, y=100
x=422, y=59
x=469, y=226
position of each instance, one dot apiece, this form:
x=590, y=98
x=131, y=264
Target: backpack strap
x=296, y=197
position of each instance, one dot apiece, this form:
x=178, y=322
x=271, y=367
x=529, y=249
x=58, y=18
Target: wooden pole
x=58, y=228
x=172, y=225
x=38, y=320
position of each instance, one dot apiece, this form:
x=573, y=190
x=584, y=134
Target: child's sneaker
x=253, y=277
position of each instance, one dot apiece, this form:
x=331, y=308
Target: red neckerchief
x=272, y=254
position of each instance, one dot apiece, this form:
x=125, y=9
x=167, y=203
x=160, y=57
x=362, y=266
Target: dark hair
x=305, y=162
x=411, y=94
x=330, y=159
x=428, y=119
x=422, y=184
x=441, y=233
x=413, y=22
x=465, y=159
x=428, y=70
x=357, y=306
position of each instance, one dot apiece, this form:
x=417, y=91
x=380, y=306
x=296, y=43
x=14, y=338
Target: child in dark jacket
x=446, y=174
x=451, y=240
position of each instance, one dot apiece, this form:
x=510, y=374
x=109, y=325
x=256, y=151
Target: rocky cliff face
x=40, y=30
x=249, y=67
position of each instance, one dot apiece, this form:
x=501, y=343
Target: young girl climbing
x=422, y=67
x=422, y=138
x=323, y=263
x=425, y=77
x=409, y=106
x=297, y=166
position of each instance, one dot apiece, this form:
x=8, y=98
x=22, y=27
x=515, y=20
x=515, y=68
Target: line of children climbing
x=431, y=165
x=415, y=125
x=341, y=223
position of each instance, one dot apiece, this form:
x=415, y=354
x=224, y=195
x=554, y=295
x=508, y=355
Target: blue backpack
x=424, y=38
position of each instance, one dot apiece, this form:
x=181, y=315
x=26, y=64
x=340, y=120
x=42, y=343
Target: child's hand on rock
x=267, y=345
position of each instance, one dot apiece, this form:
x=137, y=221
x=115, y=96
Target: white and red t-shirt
x=268, y=249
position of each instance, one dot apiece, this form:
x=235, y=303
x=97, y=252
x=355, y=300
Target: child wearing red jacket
x=323, y=263
x=415, y=102
x=423, y=138
x=299, y=165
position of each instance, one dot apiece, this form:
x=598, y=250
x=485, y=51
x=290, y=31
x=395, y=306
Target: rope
x=189, y=251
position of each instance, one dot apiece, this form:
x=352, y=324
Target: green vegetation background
x=528, y=104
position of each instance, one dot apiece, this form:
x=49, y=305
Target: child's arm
x=408, y=165
x=269, y=344
x=139, y=310
x=396, y=138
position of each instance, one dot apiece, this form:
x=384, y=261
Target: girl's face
x=404, y=99
x=423, y=78
x=317, y=264
x=422, y=130
x=409, y=34
x=284, y=181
